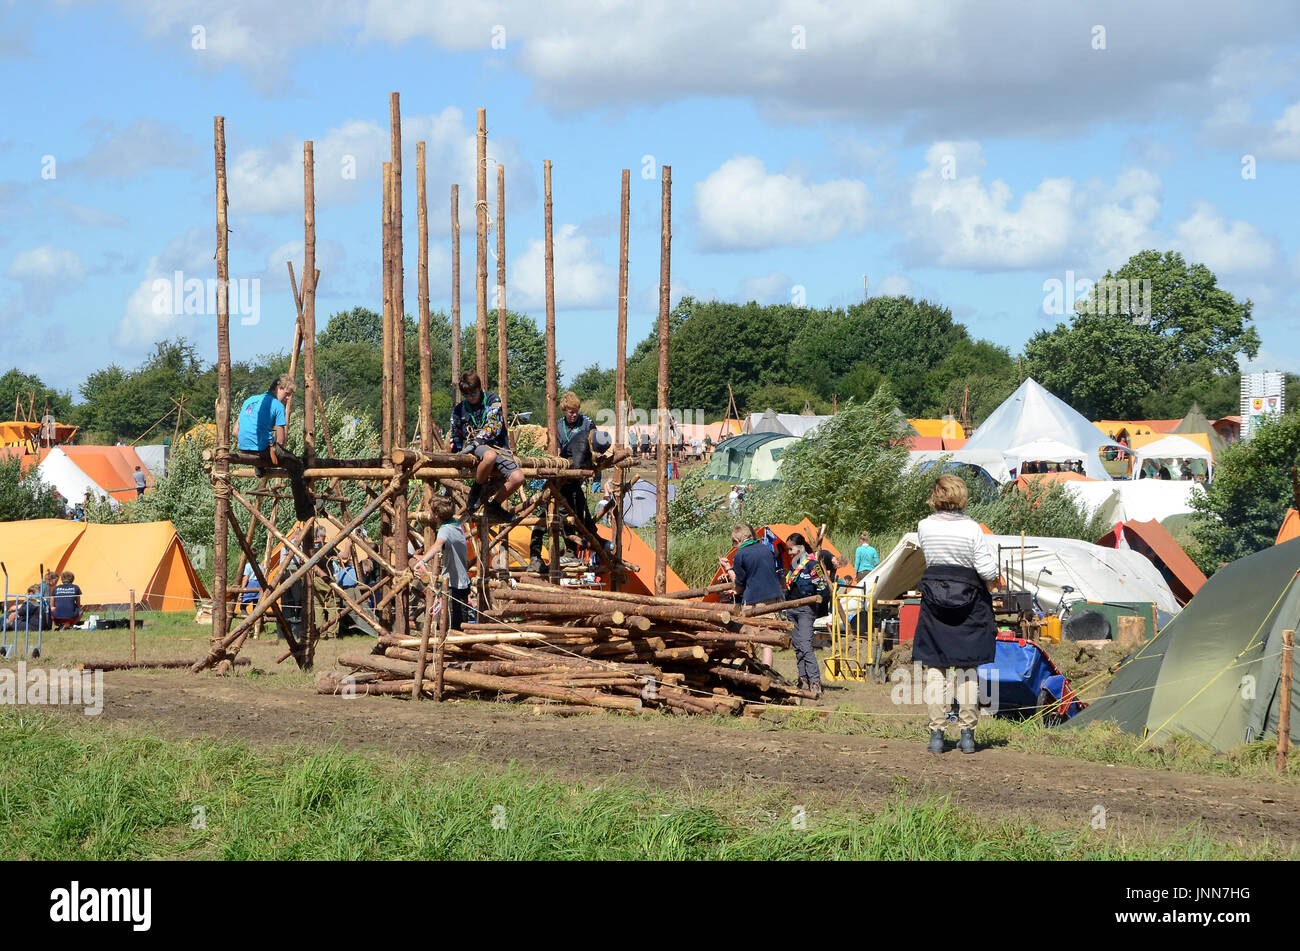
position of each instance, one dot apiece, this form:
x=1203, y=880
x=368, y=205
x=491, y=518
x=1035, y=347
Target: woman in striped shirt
x=956, y=631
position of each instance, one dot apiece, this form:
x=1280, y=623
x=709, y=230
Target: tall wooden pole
x=550, y=321
x=620, y=371
x=455, y=289
x=401, y=533
x=1284, y=701
x=221, y=484
x=399, y=282
x=309, y=302
x=386, y=365
x=386, y=397
x=620, y=381
x=480, y=279
x=661, y=455
x=426, y=351
x=503, y=378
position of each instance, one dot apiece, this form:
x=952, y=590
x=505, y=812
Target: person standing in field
x=451, y=544
x=753, y=570
x=138, y=476
x=866, y=558
x=805, y=578
x=956, y=631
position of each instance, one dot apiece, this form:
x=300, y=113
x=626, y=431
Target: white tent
x=1096, y=573
x=992, y=462
x=154, y=459
x=791, y=424
x=1033, y=413
x=641, y=502
x=1173, y=450
x=59, y=471
x=1045, y=450
x=1124, y=501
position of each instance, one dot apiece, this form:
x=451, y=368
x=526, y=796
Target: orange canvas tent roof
x=109, y=561
x=1290, y=527
x=635, y=550
x=1022, y=481
x=1153, y=540
x=112, y=468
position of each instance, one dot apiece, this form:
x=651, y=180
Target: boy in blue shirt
x=262, y=428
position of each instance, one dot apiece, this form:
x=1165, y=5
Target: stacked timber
x=566, y=648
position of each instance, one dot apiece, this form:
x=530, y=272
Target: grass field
x=72, y=791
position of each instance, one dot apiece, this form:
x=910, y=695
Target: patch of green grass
x=76, y=791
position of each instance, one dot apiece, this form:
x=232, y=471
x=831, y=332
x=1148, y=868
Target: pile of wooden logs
x=569, y=648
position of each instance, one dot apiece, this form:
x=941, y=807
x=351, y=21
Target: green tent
x=753, y=457
x=1214, y=671
x=1195, y=422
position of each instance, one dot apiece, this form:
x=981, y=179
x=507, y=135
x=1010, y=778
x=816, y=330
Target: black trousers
x=303, y=505
x=572, y=492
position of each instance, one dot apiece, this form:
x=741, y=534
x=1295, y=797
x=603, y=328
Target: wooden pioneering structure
x=400, y=482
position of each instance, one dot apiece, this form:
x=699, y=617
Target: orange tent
x=109, y=561
x=635, y=550
x=1151, y=539
x=1022, y=481
x=112, y=468
x=1290, y=527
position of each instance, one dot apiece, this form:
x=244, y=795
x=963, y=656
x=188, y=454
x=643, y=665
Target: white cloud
x=741, y=207
x=88, y=217
x=121, y=154
x=958, y=220
x=46, y=265
x=774, y=288
x=892, y=285
x=582, y=278
x=1206, y=237
x=349, y=162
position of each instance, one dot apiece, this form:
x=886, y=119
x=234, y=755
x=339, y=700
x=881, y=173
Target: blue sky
x=964, y=152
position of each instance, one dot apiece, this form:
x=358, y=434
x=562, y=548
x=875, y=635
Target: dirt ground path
x=1055, y=791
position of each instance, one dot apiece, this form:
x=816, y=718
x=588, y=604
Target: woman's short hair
x=283, y=382
x=69, y=577
x=949, y=494
x=469, y=382
x=570, y=401
x=741, y=533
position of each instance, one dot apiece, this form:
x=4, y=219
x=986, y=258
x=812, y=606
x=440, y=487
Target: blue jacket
x=756, y=574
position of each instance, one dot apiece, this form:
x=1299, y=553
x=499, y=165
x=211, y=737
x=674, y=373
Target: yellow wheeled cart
x=856, y=652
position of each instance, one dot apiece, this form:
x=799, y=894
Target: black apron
x=956, y=627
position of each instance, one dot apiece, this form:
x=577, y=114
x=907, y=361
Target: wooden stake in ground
x=502, y=337
x=455, y=290
x=551, y=437
x=221, y=483
x=480, y=277
x=1284, y=701
x=133, y=625
x=661, y=455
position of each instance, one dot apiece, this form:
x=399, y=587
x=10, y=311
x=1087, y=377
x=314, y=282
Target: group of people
x=644, y=444
x=53, y=603
x=1035, y=467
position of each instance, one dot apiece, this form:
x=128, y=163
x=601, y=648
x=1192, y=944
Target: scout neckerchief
x=482, y=417
x=752, y=541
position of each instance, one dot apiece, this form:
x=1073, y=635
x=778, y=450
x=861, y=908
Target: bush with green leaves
x=24, y=495
x=1044, y=509
x=1242, y=509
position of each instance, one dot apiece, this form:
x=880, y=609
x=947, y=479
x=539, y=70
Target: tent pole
x=661, y=455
